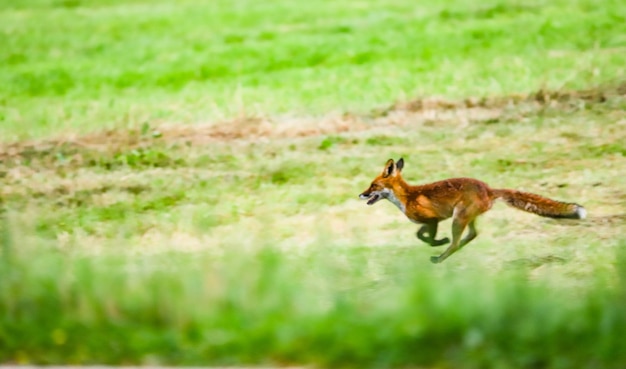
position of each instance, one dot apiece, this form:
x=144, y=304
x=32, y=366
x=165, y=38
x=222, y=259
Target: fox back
x=431, y=202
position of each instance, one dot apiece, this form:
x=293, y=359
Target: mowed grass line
x=71, y=66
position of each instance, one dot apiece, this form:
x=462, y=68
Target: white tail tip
x=581, y=212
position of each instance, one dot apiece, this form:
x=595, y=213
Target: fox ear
x=400, y=164
x=390, y=168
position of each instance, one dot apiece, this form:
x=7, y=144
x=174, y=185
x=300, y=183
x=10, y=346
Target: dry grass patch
x=423, y=111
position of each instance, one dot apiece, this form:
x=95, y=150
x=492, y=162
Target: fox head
x=382, y=186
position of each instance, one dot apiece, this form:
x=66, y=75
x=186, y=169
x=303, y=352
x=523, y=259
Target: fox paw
x=434, y=259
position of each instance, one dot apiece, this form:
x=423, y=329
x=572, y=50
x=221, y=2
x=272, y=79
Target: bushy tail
x=540, y=205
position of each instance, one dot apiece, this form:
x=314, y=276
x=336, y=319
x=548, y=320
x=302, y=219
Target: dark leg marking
x=428, y=234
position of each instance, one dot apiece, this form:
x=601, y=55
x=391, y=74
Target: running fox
x=463, y=199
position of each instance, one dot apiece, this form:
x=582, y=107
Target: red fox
x=463, y=199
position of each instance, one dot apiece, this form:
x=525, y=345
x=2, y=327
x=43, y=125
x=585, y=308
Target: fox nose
x=363, y=196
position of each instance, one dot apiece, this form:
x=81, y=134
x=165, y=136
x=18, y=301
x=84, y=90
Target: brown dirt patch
x=413, y=112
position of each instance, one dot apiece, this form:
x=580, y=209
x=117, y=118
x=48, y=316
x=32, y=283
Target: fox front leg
x=431, y=230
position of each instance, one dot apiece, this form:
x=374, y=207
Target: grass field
x=178, y=182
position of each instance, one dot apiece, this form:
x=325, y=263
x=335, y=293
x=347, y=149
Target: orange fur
x=463, y=199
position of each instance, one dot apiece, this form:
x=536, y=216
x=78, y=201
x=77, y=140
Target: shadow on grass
x=536, y=261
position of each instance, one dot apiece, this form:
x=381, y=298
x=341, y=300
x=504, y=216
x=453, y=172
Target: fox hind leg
x=459, y=222
x=428, y=234
x=471, y=234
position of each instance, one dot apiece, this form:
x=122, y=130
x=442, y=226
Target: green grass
x=84, y=65
x=247, y=252
x=178, y=182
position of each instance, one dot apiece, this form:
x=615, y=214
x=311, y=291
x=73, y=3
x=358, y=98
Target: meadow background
x=179, y=181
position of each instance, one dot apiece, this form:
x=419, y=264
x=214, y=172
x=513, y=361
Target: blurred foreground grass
x=325, y=306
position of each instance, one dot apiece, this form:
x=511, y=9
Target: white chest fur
x=389, y=195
